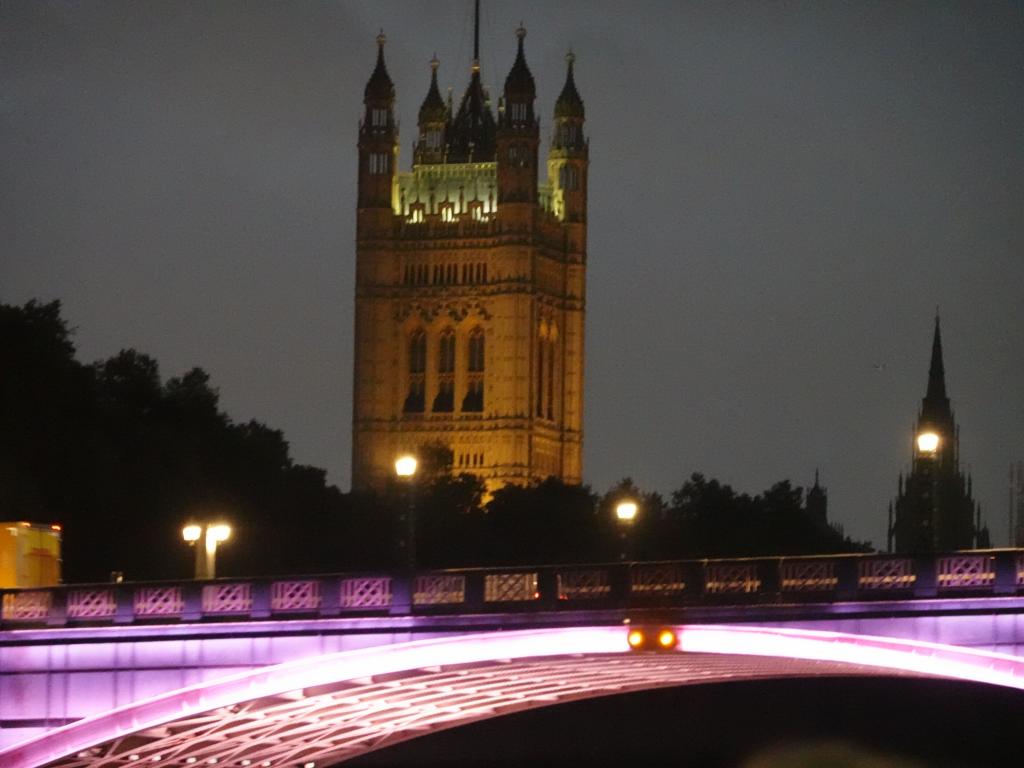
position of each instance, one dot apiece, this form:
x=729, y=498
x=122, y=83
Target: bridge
x=309, y=671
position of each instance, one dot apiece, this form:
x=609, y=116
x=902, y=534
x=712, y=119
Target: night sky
x=780, y=196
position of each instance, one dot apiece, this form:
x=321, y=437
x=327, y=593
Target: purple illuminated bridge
x=311, y=671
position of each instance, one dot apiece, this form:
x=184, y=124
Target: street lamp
x=206, y=556
x=625, y=512
x=405, y=469
x=405, y=466
x=928, y=443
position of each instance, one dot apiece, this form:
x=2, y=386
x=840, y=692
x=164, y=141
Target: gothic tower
x=470, y=283
x=934, y=511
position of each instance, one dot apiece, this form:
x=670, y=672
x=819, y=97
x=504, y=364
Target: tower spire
x=569, y=103
x=936, y=373
x=476, y=33
x=471, y=137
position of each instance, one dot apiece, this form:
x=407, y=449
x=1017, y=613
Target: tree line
x=122, y=458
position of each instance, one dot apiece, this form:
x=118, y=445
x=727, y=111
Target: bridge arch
x=319, y=711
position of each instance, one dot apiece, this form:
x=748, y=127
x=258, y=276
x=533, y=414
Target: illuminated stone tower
x=934, y=511
x=470, y=283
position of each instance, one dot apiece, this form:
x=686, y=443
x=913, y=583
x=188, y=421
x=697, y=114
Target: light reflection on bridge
x=336, y=706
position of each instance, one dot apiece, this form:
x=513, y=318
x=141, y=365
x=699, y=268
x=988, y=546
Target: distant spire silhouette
x=936, y=373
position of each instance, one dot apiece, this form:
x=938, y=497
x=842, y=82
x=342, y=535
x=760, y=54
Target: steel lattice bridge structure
x=307, y=672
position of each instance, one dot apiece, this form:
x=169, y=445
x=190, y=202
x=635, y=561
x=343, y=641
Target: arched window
x=444, y=402
x=476, y=351
x=414, y=400
x=379, y=163
x=547, y=360
x=568, y=177
x=551, y=380
x=474, y=399
x=541, y=345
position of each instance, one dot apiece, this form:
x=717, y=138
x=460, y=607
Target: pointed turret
x=378, y=138
x=433, y=108
x=433, y=123
x=519, y=85
x=518, y=138
x=567, y=161
x=569, y=103
x=379, y=87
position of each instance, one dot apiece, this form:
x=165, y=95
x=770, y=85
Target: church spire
x=936, y=373
x=935, y=409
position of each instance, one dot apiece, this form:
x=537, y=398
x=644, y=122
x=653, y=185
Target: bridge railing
x=548, y=588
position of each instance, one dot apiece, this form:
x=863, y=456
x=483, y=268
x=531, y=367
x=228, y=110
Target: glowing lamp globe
x=626, y=510
x=928, y=442
x=191, y=533
x=219, y=532
x=405, y=466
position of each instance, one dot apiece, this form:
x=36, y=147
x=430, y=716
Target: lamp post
x=212, y=535
x=625, y=513
x=928, y=444
x=405, y=469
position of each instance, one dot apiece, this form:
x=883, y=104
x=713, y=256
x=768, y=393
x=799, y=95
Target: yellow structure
x=29, y=555
x=470, y=283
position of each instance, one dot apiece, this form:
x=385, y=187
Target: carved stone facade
x=470, y=284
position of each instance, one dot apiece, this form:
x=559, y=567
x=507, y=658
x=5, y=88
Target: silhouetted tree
x=549, y=522
x=123, y=460
x=709, y=519
x=450, y=522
